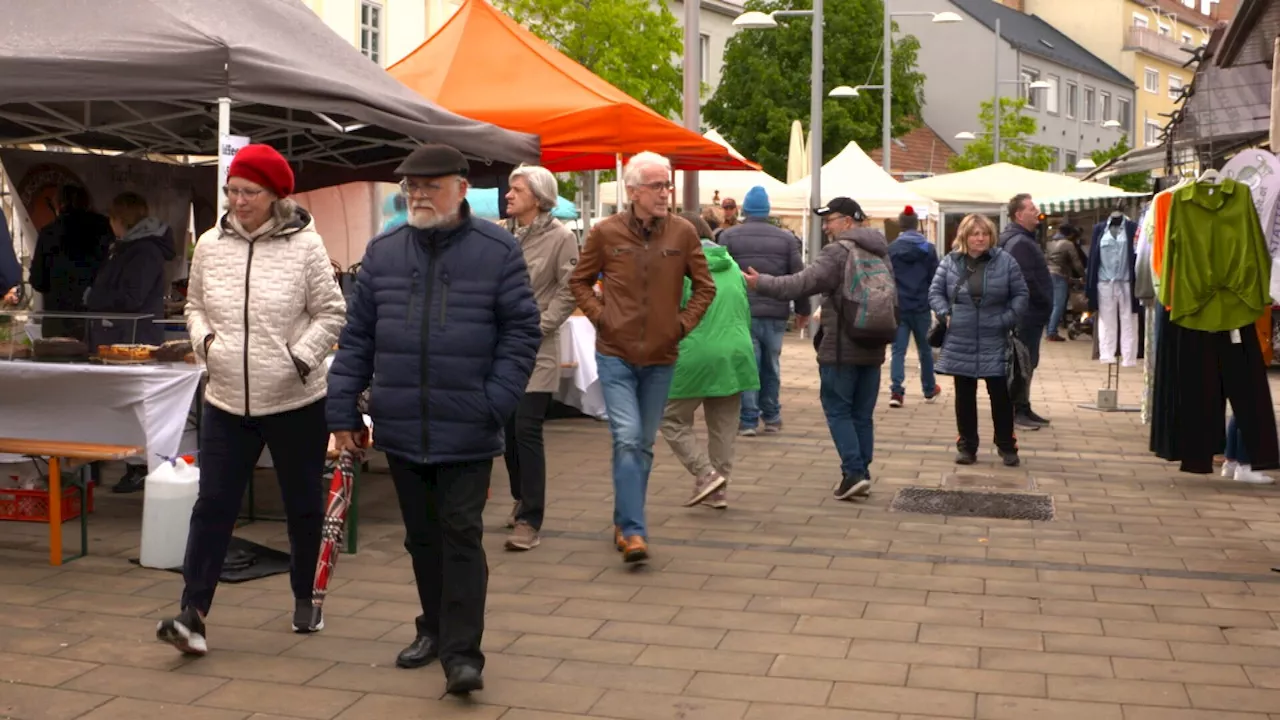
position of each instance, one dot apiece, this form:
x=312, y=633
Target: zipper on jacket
x=424, y=391
x=248, y=267
x=444, y=297
x=644, y=327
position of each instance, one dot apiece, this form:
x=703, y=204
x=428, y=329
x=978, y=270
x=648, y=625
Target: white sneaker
x=1229, y=468
x=1245, y=474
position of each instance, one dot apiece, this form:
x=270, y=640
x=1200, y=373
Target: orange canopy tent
x=485, y=66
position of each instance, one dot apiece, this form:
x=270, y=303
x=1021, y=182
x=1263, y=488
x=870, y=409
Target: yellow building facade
x=384, y=30
x=1147, y=40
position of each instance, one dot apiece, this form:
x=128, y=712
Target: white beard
x=435, y=221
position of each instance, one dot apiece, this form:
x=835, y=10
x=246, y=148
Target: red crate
x=33, y=505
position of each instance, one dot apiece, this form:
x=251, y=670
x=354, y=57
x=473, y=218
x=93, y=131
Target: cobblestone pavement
x=1150, y=597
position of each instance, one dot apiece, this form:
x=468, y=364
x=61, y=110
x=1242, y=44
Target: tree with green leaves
x=629, y=43
x=1133, y=182
x=1015, y=127
x=765, y=82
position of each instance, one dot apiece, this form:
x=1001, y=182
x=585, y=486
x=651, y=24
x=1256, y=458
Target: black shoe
x=185, y=632
x=851, y=485
x=1023, y=421
x=422, y=651
x=307, y=618
x=1033, y=417
x=135, y=477
x=1010, y=458
x=964, y=457
x=463, y=680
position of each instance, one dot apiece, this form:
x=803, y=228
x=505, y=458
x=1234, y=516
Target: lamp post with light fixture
x=886, y=132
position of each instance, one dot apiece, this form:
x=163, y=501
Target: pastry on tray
x=173, y=351
x=127, y=353
x=59, y=348
x=14, y=351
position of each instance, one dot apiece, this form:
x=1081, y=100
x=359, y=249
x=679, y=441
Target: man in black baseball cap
x=839, y=216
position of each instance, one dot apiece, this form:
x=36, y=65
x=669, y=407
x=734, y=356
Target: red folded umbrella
x=335, y=523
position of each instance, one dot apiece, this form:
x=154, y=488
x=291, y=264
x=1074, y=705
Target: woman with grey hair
x=550, y=252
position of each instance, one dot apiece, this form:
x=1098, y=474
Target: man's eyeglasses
x=658, y=186
x=409, y=187
x=246, y=193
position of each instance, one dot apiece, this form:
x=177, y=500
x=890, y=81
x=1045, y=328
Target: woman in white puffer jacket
x=263, y=311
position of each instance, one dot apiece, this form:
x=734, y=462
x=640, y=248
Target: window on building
x=1054, y=165
x=1140, y=21
x=371, y=30
x=1031, y=96
x=1151, y=134
x=1186, y=39
x=1104, y=106
x=1122, y=115
x=1088, y=108
x=1151, y=80
x=1071, y=100
x=705, y=59
x=1069, y=159
x=1051, y=95
x=1175, y=86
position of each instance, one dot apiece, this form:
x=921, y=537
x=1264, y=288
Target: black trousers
x=526, y=457
x=1211, y=371
x=229, y=449
x=967, y=413
x=442, y=507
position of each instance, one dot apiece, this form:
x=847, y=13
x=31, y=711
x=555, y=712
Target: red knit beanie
x=261, y=164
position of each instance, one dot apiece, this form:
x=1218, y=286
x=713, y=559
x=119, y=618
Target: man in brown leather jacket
x=642, y=257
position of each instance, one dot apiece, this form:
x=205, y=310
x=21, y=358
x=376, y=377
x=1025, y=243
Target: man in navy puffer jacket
x=444, y=324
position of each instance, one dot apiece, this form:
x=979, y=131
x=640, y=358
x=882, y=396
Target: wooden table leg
x=55, y=512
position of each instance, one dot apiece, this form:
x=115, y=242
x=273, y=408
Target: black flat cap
x=434, y=161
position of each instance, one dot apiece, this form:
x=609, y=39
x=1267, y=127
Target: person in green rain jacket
x=717, y=363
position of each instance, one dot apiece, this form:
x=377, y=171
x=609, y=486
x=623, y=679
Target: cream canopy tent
x=981, y=189
x=729, y=183
x=853, y=174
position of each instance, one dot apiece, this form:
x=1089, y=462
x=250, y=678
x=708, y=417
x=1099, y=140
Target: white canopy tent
x=853, y=174
x=987, y=189
x=728, y=183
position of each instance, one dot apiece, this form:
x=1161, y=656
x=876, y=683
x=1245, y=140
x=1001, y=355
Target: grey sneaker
x=523, y=537
x=773, y=428
x=511, y=519
x=706, y=484
x=718, y=499
x=307, y=618
x=852, y=486
x=745, y=431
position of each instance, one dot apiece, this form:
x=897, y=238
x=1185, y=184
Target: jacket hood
x=300, y=221
x=870, y=240
x=910, y=247
x=150, y=232
x=718, y=259
x=1013, y=230
x=146, y=227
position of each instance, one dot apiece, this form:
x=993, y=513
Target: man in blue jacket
x=771, y=251
x=443, y=309
x=1019, y=240
x=915, y=260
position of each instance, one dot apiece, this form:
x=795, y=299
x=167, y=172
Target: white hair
x=543, y=185
x=640, y=161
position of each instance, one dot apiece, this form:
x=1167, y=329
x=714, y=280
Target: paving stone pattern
x=1150, y=597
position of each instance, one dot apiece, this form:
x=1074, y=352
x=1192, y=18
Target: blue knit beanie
x=756, y=203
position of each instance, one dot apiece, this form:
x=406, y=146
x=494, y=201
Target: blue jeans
x=634, y=397
x=1060, y=291
x=766, y=338
x=911, y=325
x=848, y=394
x=1235, y=444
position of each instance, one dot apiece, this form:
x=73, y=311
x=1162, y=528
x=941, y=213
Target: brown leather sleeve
x=583, y=280
x=703, y=286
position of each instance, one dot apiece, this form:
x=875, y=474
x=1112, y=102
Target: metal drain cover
x=967, y=503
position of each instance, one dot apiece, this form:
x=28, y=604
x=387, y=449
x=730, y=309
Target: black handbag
x=938, y=331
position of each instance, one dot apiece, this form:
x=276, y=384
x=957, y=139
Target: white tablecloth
x=122, y=404
x=580, y=385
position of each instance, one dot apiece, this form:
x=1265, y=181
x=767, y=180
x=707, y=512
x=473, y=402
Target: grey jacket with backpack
x=826, y=276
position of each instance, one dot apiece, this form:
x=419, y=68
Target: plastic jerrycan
x=169, y=496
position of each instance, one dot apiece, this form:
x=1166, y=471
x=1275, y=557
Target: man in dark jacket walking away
x=1019, y=240
x=915, y=260
x=771, y=251
x=443, y=309
x=644, y=255
x=848, y=368
x=10, y=268
x=69, y=252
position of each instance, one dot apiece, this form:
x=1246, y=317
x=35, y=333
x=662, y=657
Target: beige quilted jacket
x=263, y=300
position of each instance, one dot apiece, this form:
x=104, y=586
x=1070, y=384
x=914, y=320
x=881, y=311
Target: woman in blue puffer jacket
x=980, y=293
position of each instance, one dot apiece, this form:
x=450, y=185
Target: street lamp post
x=755, y=20
x=886, y=132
